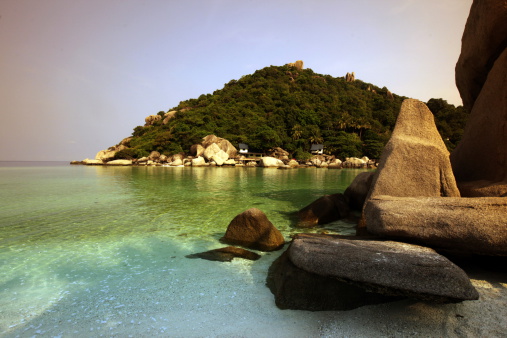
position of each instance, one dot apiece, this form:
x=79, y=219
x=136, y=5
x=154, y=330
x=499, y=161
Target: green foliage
x=291, y=109
x=450, y=121
x=302, y=155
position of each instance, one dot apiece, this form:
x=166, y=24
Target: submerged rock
x=467, y=225
x=386, y=267
x=226, y=254
x=253, y=229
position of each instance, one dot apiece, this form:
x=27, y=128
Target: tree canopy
x=281, y=106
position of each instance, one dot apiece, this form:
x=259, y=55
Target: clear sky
x=76, y=76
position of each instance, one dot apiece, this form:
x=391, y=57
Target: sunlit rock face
x=415, y=161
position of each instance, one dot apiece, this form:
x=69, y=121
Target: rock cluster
x=299, y=65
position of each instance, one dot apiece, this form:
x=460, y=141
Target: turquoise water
x=90, y=251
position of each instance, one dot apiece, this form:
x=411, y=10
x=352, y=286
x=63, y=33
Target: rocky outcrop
x=105, y=155
x=169, y=115
x=154, y=155
x=253, y=229
x=415, y=161
x=484, y=40
x=357, y=191
x=465, y=225
x=324, y=210
x=350, y=77
x=299, y=64
x=386, y=267
x=270, y=162
x=226, y=254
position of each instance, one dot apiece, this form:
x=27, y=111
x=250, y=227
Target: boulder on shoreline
x=253, y=229
x=415, y=161
x=226, y=254
x=464, y=225
x=386, y=267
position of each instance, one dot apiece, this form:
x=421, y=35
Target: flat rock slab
x=467, y=225
x=385, y=267
x=226, y=254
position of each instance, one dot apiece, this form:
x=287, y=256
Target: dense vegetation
x=292, y=109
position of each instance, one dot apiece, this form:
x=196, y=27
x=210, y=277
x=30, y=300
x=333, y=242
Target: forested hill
x=291, y=108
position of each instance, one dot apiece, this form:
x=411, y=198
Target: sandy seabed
x=184, y=297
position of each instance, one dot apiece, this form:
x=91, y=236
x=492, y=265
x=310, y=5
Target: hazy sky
x=76, y=76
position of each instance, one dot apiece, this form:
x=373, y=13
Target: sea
x=91, y=251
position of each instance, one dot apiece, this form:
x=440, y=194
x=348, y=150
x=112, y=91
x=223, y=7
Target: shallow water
x=90, y=251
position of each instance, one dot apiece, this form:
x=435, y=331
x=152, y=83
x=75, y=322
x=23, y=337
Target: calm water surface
x=92, y=245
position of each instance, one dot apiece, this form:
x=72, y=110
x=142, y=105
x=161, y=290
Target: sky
x=77, y=76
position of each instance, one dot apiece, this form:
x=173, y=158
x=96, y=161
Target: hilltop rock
x=483, y=41
x=465, y=225
x=415, y=161
x=299, y=64
x=350, y=77
x=386, y=267
x=151, y=119
x=324, y=210
x=252, y=229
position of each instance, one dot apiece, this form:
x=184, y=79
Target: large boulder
x=483, y=41
x=211, y=150
x=222, y=143
x=106, y=155
x=198, y=162
x=278, y=153
x=467, y=225
x=154, y=155
x=357, y=191
x=415, y=161
x=253, y=229
x=482, y=151
x=324, y=210
x=220, y=157
x=298, y=289
x=386, y=267
x=267, y=162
